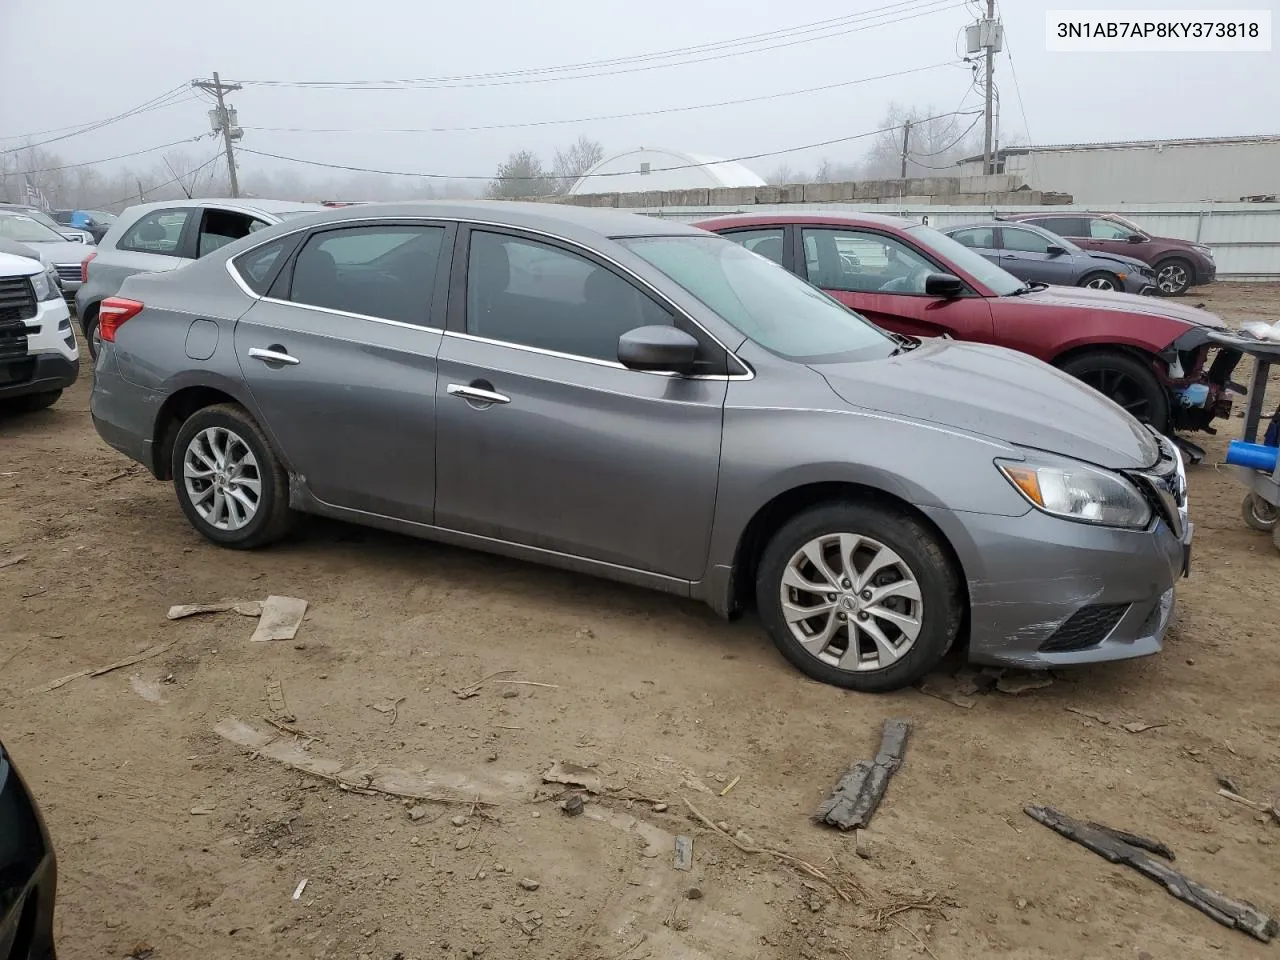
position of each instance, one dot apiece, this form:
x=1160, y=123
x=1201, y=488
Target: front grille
x=68, y=271
x=13, y=340
x=17, y=299
x=1085, y=628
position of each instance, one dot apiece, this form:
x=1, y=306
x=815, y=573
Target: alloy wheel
x=851, y=602
x=1101, y=283
x=1172, y=278
x=1120, y=388
x=222, y=478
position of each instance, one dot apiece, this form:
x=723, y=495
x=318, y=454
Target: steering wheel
x=911, y=283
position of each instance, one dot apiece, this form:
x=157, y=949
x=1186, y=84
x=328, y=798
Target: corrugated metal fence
x=1244, y=237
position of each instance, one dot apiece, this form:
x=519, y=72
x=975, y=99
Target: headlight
x=46, y=289
x=1204, y=251
x=1079, y=492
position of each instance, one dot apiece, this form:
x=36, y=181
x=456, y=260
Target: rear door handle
x=476, y=394
x=273, y=354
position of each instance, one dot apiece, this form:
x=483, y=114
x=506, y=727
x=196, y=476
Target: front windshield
x=24, y=229
x=1001, y=282
x=762, y=300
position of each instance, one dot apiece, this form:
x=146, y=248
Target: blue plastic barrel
x=1256, y=456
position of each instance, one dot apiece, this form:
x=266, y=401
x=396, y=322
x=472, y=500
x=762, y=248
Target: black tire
x=273, y=518
x=1258, y=514
x=31, y=402
x=1097, y=278
x=1125, y=380
x=91, y=332
x=941, y=603
x=1180, y=276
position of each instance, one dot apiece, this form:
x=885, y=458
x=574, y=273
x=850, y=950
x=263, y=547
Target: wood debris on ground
x=99, y=671
x=280, y=620
x=855, y=798
x=1116, y=846
x=246, y=608
x=10, y=561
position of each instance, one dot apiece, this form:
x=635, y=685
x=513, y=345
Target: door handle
x=273, y=354
x=477, y=394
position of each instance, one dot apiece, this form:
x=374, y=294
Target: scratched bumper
x=1027, y=576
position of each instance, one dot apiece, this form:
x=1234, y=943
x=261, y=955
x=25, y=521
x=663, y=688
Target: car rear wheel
x=1101, y=280
x=1173, y=277
x=230, y=485
x=859, y=595
x=1259, y=514
x=1126, y=381
x=91, y=337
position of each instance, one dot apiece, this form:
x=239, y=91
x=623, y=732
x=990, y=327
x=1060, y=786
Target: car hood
x=1090, y=299
x=1000, y=394
x=61, y=251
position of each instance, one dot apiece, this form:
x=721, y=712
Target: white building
x=654, y=168
x=1147, y=171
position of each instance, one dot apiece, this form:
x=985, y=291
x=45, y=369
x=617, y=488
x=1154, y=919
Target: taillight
x=84, y=267
x=112, y=313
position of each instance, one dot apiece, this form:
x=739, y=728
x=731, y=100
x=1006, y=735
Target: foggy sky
x=74, y=61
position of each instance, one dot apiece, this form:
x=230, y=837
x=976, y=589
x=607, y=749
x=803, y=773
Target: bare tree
x=934, y=143
x=575, y=160
x=521, y=176
x=783, y=174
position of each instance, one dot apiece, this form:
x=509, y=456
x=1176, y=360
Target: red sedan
x=1150, y=356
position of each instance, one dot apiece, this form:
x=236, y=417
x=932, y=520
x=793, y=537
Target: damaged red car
x=1150, y=356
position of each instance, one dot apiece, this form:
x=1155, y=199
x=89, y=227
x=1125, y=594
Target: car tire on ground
x=1101, y=280
x=885, y=596
x=230, y=485
x=31, y=402
x=91, y=332
x=1259, y=514
x=1173, y=277
x=1127, y=381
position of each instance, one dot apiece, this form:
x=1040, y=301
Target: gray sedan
x=640, y=400
x=1038, y=256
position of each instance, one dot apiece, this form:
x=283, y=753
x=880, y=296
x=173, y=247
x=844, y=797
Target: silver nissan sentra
x=640, y=400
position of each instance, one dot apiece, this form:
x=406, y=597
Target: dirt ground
x=168, y=833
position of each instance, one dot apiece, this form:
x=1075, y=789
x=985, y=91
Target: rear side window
x=767, y=242
x=981, y=238
x=375, y=271
x=258, y=267
x=159, y=231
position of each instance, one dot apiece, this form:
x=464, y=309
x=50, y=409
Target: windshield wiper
x=1029, y=288
x=904, y=342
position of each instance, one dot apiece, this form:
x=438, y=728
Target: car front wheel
x=859, y=595
x=230, y=485
x=1101, y=280
x=1173, y=277
x=1126, y=381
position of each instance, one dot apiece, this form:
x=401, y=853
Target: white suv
x=39, y=357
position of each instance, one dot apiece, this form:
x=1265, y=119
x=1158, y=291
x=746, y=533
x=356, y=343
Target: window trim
x=745, y=371
x=927, y=257
x=180, y=251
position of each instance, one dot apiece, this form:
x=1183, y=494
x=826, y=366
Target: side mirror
x=1137, y=238
x=655, y=348
x=1054, y=250
x=943, y=285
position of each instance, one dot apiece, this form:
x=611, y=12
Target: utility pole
x=906, y=139
x=987, y=36
x=223, y=120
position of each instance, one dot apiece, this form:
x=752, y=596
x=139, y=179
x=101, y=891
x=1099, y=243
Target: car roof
x=556, y=218
x=244, y=204
x=857, y=219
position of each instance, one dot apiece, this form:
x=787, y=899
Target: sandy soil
x=169, y=834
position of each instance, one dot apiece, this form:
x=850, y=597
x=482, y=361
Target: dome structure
x=656, y=168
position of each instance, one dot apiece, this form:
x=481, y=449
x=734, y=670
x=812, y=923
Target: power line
x=619, y=173
x=159, y=186
x=614, y=116
x=440, y=83
x=166, y=99
x=950, y=146
x=122, y=156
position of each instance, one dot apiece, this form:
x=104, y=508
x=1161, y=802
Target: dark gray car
x=1038, y=256
x=641, y=400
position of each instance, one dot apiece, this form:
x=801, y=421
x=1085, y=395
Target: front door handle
x=476, y=394
x=273, y=354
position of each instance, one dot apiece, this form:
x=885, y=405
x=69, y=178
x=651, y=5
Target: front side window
x=958, y=256
x=387, y=272
x=1100, y=229
x=1063, y=226
x=773, y=307
x=159, y=231
x=767, y=242
x=859, y=261
x=1025, y=241
x=537, y=295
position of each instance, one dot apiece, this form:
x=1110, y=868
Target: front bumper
x=52, y=360
x=1046, y=592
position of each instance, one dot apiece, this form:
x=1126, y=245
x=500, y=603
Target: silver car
x=641, y=400
x=53, y=248
x=154, y=237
